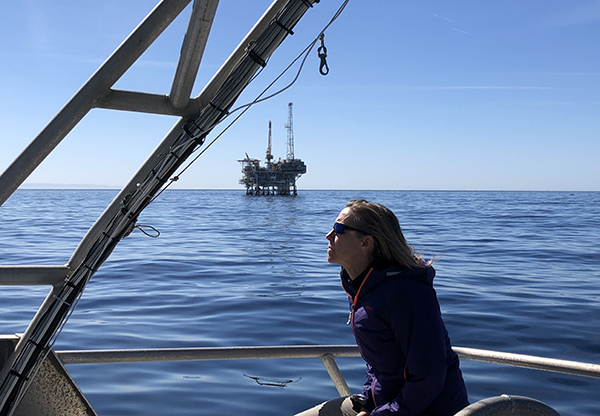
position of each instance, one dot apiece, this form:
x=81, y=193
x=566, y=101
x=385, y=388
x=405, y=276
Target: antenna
x=290, y=134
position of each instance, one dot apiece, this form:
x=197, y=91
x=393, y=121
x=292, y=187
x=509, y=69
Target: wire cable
x=245, y=107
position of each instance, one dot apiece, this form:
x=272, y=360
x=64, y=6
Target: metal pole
x=530, y=361
x=336, y=375
x=209, y=90
x=196, y=36
x=306, y=351
x=205, y=96
x=205, y=354
x=137, y=101
x=91, y=92
x=20, y=345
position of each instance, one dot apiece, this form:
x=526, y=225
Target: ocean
x=517, y=272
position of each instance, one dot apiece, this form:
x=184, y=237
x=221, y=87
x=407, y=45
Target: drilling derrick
x=290, y=134
x=277, y=178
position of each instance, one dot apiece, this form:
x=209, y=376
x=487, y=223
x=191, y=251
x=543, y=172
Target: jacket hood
x=424, y=275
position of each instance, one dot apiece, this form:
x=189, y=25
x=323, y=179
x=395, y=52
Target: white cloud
x=443, y=18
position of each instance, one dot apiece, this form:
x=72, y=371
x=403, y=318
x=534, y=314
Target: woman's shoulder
x=405, y=276
x=403, y=286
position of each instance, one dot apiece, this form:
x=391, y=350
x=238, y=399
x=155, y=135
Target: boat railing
x=327, y=354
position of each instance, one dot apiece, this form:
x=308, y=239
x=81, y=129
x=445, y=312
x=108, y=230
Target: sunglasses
x=339, y=229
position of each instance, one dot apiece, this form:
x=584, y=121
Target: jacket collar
x=375, y=277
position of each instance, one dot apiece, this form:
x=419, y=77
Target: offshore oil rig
x=277, y=178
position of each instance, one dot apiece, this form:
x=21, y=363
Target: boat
x=34, y=377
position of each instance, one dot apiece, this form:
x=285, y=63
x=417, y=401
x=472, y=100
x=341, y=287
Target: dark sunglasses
x=339, y=229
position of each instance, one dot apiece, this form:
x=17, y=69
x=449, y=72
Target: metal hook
x=322, y=52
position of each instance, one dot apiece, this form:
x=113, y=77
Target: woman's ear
x=368, y=243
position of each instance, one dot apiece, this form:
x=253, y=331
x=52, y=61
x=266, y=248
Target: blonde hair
x=382, y=224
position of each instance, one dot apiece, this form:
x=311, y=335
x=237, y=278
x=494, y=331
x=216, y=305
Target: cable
x=257, y=100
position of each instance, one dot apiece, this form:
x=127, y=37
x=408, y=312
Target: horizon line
x=89, y=187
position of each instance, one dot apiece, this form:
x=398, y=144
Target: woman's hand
x=363, y=413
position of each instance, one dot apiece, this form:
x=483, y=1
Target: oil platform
x=276, y=178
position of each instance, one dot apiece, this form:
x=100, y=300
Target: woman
x=395, y=318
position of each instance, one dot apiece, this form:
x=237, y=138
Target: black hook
x=322, y=52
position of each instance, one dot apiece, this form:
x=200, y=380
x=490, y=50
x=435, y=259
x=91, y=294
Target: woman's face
x=347, y=249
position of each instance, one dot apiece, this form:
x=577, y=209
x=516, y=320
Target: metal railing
x=327, y=354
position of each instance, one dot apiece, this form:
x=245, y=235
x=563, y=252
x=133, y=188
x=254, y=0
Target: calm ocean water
x=516, y=272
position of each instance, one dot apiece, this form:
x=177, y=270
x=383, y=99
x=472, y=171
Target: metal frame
x=496, y=406
x=90, y=95
x=328, y=353
x=198, y=116
x=97, y=93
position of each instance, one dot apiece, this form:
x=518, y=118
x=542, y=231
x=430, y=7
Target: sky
x=420, y=95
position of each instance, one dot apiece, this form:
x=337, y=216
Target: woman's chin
x=331, y=259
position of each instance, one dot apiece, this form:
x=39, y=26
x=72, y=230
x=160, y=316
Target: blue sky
x=421, y=94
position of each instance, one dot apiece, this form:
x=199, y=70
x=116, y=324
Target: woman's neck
x=357, y=269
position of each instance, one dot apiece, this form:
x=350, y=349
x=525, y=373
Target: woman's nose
x=329, y=235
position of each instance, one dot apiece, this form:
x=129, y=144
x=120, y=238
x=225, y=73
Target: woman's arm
x=420, y=333
x=367, y=394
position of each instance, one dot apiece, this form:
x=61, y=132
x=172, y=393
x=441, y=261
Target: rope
x=142, y=226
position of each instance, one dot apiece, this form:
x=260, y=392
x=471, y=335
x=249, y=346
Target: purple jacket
x=411, y=367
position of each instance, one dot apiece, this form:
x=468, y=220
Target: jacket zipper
x=373, y=391
x=351, y=322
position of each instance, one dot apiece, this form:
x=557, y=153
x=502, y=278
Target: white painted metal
x=307, y=351
x=120, y=217
x=336, y=375
x=211, y=88
x=327, y=353
x=140, y=102
x=164, y=147
x=201, y=18
x=178, y=102
x=530, y=361
x=89, y=95
x=206, y=354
